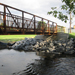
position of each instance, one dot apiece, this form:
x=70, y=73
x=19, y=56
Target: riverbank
x=71, y=35
x=51, y=44
x=14, y=38
x=46, y=46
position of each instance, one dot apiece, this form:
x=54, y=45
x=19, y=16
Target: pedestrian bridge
x=16, y=21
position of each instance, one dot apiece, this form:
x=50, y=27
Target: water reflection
x=65, y=65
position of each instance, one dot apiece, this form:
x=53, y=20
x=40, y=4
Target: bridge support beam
x=4, y=19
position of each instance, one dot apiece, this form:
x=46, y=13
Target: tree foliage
x=69, y=6
x=42, y=25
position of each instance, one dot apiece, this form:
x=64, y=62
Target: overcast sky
x=38, y=7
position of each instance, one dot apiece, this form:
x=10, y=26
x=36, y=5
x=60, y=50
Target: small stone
x=59, y=44
x=69, y=52
x=51, y=49
x=54, y=47
x=64, y=44
x=72, y=47
x=72, y=39
x=51, y=44
x=68, y=47
x=2, y=65
x=47, y=51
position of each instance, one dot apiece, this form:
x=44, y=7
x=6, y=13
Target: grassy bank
x=14, y=38
x=72, y=35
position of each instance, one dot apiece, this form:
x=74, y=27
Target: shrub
x=42, y=25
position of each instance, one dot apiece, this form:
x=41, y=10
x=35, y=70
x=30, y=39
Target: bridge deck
x=26, y=23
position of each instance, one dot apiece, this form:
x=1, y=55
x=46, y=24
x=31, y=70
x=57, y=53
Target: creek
x=14, y=62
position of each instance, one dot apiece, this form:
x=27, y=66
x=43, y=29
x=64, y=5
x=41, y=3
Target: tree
x=69, y=7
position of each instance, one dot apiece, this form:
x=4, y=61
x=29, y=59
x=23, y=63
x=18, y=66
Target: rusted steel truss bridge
x=16, y=21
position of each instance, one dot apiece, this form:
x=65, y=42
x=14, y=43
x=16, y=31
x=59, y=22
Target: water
x=13, y=61
x=28, y=63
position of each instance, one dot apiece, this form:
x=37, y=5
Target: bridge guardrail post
x=53, y=27
x=56, y=27
x=4, y=19
x=23, y=22
x=48, y=28
x=34, y=25
x=42, y=27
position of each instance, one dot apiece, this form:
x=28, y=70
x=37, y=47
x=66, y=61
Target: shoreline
x=14, y=38
x=45, y=46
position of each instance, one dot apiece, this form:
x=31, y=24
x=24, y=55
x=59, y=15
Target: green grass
x=72, y=35
x=14, y=38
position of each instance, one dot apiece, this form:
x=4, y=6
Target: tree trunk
x=70, y=22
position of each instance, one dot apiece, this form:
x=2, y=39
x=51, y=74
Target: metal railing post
x=42, y=27
x=23, y=22
x=53, y=26
x=48, y=27
x=56, y=27
x=34, y=25
x=4, y=19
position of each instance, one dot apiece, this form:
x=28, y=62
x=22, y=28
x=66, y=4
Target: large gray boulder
x=3, y=45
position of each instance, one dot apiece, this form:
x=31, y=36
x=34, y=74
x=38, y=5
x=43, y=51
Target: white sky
x=38, y=7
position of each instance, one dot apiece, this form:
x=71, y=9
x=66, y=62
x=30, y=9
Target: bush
x=42, y=25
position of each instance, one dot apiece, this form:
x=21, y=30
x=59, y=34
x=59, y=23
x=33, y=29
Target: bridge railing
x=21, y=23
x=61, y=28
